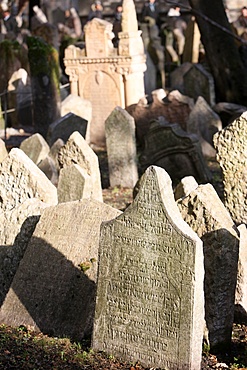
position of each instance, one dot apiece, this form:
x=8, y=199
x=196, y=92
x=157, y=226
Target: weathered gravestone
x=21, y=179
x=241, y=289
x=53, y=290
x=17, y=227
x=35, y=147
x=179, y=153
x=48, y=167
x=186, y=185
x=65, y=126
x=231, y=149
x=149, y=304
x=203, y=210
x=121, y=148
x=77, y=151
x=3, y=150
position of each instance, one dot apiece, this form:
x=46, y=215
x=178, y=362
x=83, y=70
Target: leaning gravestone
x=54, y=288
x=65, y=126
x=149, y=304
x=231, y=153
x=35, y=147
x=204, y=212
x=21, y=179
x=121, y=148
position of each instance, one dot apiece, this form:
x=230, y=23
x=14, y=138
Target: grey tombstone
x=3, y=150
x=48, y=166
x=177, y=77
x=35, y=147
x=65, y=126
x=204, y=122
x=199, y=82
x=17, y=227
x=121, y=148
x=231, y=153
x=203, y=210
x=77, y=151
x=21, y=179
x=149, y=304
x=241, y=288
x=54, y=150
x=53, y=290
x=179, y=153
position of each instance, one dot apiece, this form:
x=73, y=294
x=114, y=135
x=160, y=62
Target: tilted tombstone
x=35, y=147
x=179, y=153
x=3, y=150
x=186, y=185
x=231, y=153
x=17, y=227
x=77, y=151
x=149, y=303
x=53, y=290
x=241, y=289
x=65, y=126
x=48, y=166
x=21, y=179
x=121, y=148
x=203, y=210
x=54, y=150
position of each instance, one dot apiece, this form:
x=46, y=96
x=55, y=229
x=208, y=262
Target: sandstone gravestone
x=121, y=148
x=203, y=210
x=149, y=304
x=21, y=179
x=241, y=289
x=35, y=147
x=231, y=149
x=53, y=290
x=77, y=151
x=179, y=153
x=65, y=126
x=17, y=227
x=186, y=185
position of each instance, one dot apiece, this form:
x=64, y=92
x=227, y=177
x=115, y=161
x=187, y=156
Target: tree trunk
x=222, y=52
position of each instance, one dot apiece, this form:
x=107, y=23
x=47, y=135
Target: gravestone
x=21, y=179
x=77, y=151
x=186, y=185
x=199, y=82
x=49, y=168
x=204, y=122
x=177, y=77
x=179, y=153
x=53, y=290
x=35, y=147
x=231, y=153
x=240, y=315
x=121, y=148
x=204, y=212
x=3, y=150
x=54, y=150
x=17, y=226
x=149, y=304
x=74, y=183
x=65, y=126
x=192, y=42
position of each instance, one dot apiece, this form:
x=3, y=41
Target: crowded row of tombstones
x=170, y=28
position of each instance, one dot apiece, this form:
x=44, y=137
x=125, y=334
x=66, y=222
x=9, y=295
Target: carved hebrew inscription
x=145, y=286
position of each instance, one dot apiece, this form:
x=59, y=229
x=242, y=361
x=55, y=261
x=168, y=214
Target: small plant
x=86, y=265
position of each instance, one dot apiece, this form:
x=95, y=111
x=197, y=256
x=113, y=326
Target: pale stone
x=65, y=126
x=231, y=149
x=74, y=184
x=35, y=147
x=17, y=227
x=21, y=179
x=186, y=185
x=121, y=148
x=3, y=150
x=241, y=288
x=77, y=151
x=203, y=210
x=54, y=288
x=149, y=304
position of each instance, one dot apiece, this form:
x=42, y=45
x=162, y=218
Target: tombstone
x=204, y=212
x=204, y=122
x=74, y=184
x=179, y=153
x=185, y=187
x=177, y=77
x=65, y=126
x=150, y=76
x=228, y=112
x=199, y=82
x=3, y=150
x=35, y=147
x=240, y=314
x=80, y=107
x=77, y=151
x=121, y=149
x=53, y=290
x=49, y=33
x=17, y=227
x=149, y=304
x=49, y=168
x=192, y=42
x=231, y=153
x=104, y=75
x=21, y=179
